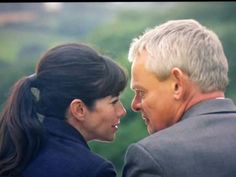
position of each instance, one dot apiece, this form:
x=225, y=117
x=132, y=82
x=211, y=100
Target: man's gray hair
x=188, y=45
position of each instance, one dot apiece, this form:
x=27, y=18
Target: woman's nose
x=121, y=111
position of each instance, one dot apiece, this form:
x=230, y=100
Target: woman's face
x=103, y=120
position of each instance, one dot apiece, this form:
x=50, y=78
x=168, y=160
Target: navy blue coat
x=66, y=154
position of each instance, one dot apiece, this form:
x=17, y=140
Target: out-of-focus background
x=27, y=30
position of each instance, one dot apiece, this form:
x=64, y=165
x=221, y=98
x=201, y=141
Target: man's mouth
x=146, y=120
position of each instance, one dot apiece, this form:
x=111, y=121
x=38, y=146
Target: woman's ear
x=179, y=78
x=77, y=109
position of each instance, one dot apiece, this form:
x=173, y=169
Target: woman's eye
x=114, y=101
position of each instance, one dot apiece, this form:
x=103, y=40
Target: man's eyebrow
x=136, y=87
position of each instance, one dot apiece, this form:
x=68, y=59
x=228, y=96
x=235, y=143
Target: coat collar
x=63, y=130
x=210, y=107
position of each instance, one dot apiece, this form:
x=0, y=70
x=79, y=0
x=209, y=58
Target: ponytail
x=20, y=130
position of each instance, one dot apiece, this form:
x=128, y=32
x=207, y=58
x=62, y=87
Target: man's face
x=153, y=98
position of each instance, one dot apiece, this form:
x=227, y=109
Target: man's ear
x=77, y=109
x=179, y=84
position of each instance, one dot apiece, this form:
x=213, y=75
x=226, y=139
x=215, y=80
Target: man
x=179, y=75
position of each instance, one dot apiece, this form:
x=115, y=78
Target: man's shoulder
x=166, y=135
x=192, y=133
x=174, y=138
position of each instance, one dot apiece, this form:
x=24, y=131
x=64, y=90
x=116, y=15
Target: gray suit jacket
x=202, y=144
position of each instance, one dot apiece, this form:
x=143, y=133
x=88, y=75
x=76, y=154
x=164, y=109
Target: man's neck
x=204, y=96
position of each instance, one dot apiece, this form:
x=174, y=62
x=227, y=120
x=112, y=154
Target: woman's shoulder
x=63, y=157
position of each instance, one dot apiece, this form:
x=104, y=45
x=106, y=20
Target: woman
x=51, y=115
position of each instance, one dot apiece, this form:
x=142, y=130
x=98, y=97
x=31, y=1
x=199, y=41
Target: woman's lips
x=116, y=125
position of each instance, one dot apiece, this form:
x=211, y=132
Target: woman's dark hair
x=64, y=73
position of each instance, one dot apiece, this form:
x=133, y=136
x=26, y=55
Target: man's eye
x=139, y=93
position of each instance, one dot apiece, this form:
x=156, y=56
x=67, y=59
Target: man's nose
x=136, y=104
